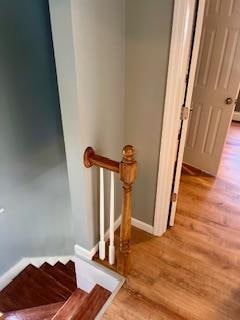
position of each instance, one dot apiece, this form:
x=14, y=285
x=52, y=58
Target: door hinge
x=184, y=113
x=174, y=197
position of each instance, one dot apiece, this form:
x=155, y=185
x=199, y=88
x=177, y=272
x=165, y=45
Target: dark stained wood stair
x=45, y=312
x=68, y=268
x=83, y=307
x=59, y=275
x=70, y=309
x=50, y=292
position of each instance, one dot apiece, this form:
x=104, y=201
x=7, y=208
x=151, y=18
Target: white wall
x=89, y=49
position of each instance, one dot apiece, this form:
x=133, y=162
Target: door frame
x=172, y=110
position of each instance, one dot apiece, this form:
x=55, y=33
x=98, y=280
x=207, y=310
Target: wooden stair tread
x=32, y=287
x=71, y=266
x=17, y=295
x=105, y=262
x=67, y=268
x=83, y=306
x=46, y=281
x=70, y=309
x=62, y=277
x=93, y=303
x=45, y=312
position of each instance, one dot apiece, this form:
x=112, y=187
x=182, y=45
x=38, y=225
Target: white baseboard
x=89, y=254
x=8, y=276
x=142, y=225
x=84, y=253
x=38, y=261
x=236, y=116
x=90, y=273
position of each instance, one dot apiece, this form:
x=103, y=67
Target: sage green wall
x=148, y=32
x=33, y=178
x=112, y=59
x=89, y=50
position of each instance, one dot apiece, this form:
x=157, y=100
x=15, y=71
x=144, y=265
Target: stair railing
x=127, y=173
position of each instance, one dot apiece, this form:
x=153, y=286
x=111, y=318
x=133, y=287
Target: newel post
x=127, y=170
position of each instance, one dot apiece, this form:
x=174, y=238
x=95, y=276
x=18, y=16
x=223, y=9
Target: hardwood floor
x=193, y=271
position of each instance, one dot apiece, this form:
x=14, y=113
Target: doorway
x=216, y=86
x=211, y=98
x=207, y=202
x=215, y=91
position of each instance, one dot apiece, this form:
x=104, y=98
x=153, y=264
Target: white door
x=172, y=142
x=216, y=85
x=187, y=102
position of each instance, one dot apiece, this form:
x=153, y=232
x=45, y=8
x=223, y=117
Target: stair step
x=45, y=312
x=70, y=309
x=32, y=287
x=71, y=266
x=83, y=307
x=67, y=268
x=93, y=303
x=50, y=293
x=60, y=276
x=20, y=294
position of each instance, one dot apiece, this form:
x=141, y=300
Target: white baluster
x=111, y=227
x=101, y=242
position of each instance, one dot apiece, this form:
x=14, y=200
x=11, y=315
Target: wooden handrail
x=127, y=169
x=93, y=159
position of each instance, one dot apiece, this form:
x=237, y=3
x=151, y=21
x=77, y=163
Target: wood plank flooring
x=193, y=271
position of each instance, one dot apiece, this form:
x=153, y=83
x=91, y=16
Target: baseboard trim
x=236, y=116
x=142, y=225
x=38, y=261
x=89, y=273
x=84, y=253
x=9, y=275
x=89, y=254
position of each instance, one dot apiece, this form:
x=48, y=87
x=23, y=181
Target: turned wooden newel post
x=127, y=171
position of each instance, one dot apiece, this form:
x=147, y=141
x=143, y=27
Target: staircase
x=118, y=257
x=50, y=293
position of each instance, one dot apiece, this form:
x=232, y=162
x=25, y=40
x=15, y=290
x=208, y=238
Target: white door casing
x=189, y=92
x=217, y=78
x=175, y=89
